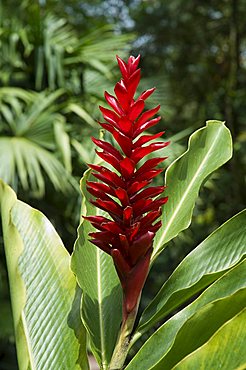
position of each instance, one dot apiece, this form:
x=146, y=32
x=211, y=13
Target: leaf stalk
x=123, y=342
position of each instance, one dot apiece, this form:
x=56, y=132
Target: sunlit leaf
x=195, y=324
x=44, y=295
x=96, y=275
x=209, y=148
x=221, y=351
x=223, y=249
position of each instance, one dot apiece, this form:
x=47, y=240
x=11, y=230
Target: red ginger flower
x=128, y=235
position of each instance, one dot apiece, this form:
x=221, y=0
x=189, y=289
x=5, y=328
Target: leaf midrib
x=99, y=292
x=29, y=347
x=49, y=262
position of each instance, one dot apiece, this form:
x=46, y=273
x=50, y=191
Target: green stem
x=122, y=346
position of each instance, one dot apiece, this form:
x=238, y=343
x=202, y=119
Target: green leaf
x=221, y=352
x=25, y=159
x=200, y=327
x=194, y=325
x=208, y=149
x=63, y=143
x=32, y=121
x=45, y=297
x=223, y=249
x=102, y=296
x=84, y=150
x=81, y=112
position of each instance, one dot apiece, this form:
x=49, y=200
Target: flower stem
x=123, y=342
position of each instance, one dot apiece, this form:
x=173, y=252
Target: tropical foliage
x=45, y=296
x=56, y=60
x=35, y=144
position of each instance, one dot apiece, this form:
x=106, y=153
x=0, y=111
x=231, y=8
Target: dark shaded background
x=194, y=52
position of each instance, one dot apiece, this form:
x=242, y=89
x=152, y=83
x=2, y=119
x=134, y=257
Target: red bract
x=125, y=193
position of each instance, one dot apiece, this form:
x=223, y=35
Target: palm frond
x=58, y=39
x=33, y=139
x=25, y=162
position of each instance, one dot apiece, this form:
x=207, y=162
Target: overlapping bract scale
x=125, y=192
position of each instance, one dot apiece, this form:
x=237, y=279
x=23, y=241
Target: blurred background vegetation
x=56, y=60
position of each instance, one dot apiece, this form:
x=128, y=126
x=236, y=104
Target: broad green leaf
x=194, y=325
x=45, y=297
x=200, y=327
x=223, y=249
x=208, y=149
x=221, y=352
x=96, y=275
